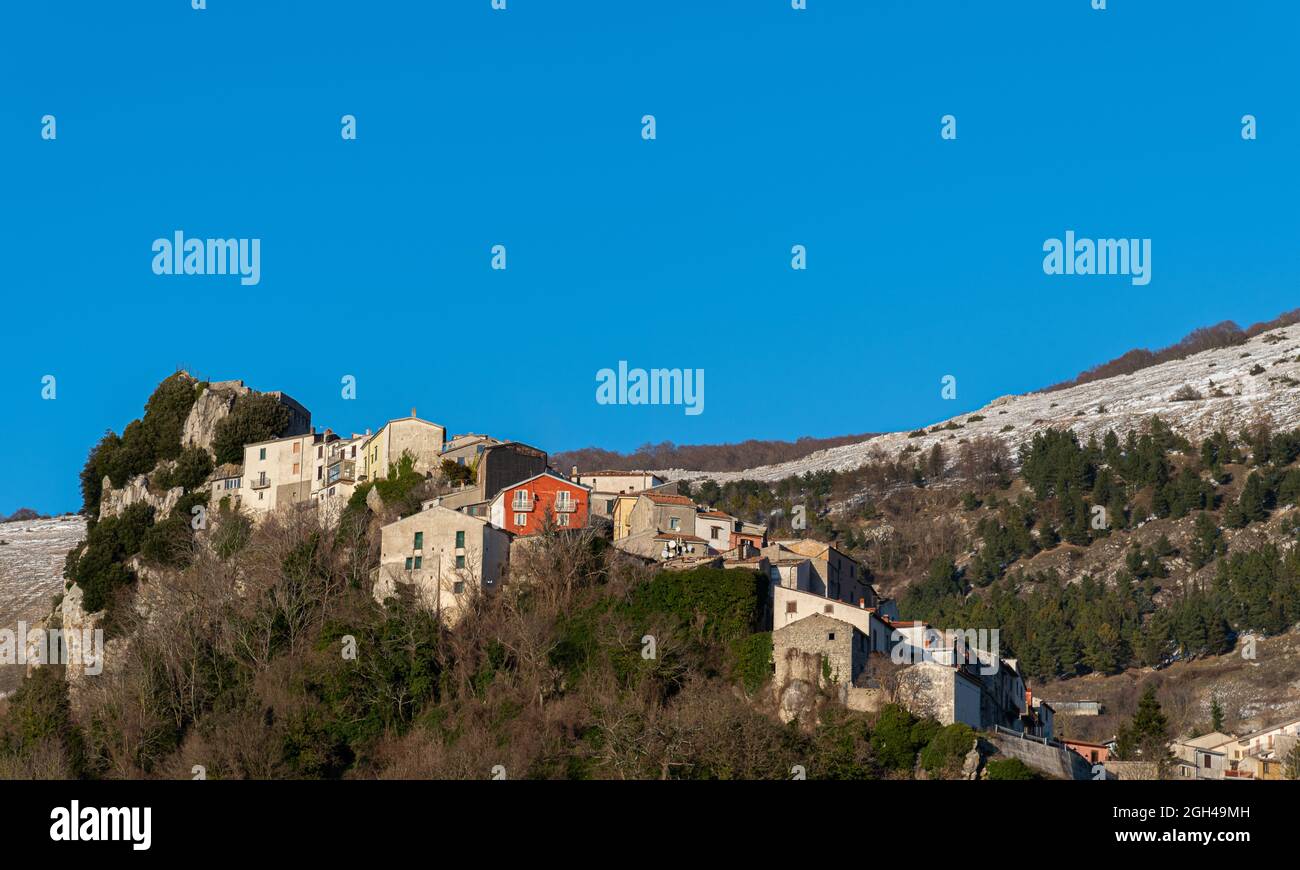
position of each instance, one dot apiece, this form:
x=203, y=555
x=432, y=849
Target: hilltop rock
x=114, y=501
x=210, y=408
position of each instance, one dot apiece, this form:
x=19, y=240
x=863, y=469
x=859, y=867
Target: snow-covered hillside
x=31, y=573
x=1254, y=382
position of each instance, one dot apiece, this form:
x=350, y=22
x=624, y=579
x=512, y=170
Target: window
x=521, y=497
x=792, y=607
x=297, y=447
x=261, y=454
x=563, y=498
x=320, y=451
x=319, y=470
x=460, y=540
x=297, y=467
x=419, y=560
x=408, y=563
x=419, y=541
x=829, y=608
x=562, y=519
x=715, y=532
x=460, y=561
x=521, y=519
x=674, y=523
x=458, y=587
x=830, y=635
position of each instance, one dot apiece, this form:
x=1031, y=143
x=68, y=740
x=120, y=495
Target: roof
x=1209, y=741
x=614, y=473
x=548, y=473
x=661, y=498
x=716, y=515
x=820, y=616
x=400, y=420
x=679, y=536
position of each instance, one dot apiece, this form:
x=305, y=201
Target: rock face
x=210, y=409
x=1228, y=387
x=114, y=501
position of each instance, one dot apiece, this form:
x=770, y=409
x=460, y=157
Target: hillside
x=1258, y=381
x=31, y=573
x=1119, y=534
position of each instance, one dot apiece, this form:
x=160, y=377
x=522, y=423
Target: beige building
x=224, y=484
x=661, y=512
x=716, y=528
x=280, y=472
x=443, y=557
x=337, y=465
x=834, y=574
x=1204, y=757
x=616, y=482
x=421, y=438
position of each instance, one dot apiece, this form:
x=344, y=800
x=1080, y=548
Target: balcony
x=260, y=483
x=521, y=504
x=565, y=507
x=341, y=471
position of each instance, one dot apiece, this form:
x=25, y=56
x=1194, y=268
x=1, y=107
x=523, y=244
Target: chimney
x=574, y=473
x=862, y=602
x=412, y=412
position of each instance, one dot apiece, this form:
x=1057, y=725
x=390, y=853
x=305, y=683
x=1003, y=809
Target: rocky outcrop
x=209, y=409
x=114, y=501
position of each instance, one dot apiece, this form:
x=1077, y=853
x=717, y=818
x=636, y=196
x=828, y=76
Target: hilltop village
x=829, y=626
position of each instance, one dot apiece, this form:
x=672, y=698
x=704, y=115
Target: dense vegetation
x=700, y=457
x=1225, y=334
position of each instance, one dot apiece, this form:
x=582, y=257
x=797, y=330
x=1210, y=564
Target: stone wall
x=1048, y=759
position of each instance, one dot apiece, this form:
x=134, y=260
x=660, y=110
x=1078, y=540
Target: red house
x=523, y=507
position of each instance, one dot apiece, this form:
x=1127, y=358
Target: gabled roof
x=1209, y=741
x=716, y=515
x=679, y=536
x=663, y=498
x=561, y=478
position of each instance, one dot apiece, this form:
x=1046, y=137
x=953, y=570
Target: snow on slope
x=1232, y=397
x=31, y=573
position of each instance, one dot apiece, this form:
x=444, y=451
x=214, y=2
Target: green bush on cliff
x=254, y=418
x=100, y=568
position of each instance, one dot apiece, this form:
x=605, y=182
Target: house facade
x=420, y=438
x=280, y=472
x=523, y=508
x=617, y=482
x=443, y=558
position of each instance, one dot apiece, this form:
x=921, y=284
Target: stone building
x=443, y=557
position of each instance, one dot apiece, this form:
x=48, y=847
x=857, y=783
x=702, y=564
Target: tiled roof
x=660, y=498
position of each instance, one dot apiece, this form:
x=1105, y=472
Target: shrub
x=99, y=568
x=191, y=470
x=168, y=542
x=947, y=750
x=752, y=660
x=253, y=418
x=1009, y=768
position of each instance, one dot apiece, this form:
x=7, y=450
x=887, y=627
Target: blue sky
x=478, y=127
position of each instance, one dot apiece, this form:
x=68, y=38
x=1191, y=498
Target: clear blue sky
x=522, y=128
